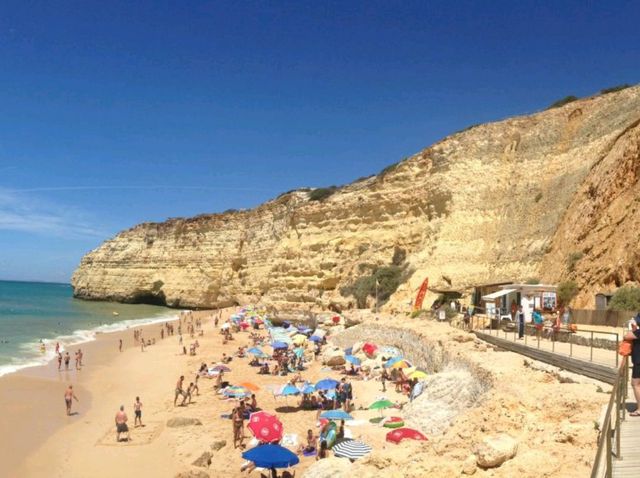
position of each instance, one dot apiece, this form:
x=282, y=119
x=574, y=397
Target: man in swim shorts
x=180, y=391
x=137, y=407
x=121, y=424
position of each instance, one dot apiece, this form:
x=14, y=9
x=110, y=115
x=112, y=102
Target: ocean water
x=34, y=311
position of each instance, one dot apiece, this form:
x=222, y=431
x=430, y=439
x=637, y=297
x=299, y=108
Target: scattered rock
x=176, y=422
x=193, y=474
x=469, y=466
x=218, y=445
x=204, y=461
x=461, y=338
x=494, y=450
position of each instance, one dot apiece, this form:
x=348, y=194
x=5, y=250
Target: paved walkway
x=629, y=466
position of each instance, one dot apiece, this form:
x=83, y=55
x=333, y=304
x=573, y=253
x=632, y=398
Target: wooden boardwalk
x=597, y=363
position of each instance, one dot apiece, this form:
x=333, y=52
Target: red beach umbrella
x=369, y=349
x=265, y=427
x=399, y=434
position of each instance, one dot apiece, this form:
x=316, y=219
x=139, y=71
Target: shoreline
x=32, y=395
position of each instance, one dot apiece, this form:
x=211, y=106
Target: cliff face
x=500, y=201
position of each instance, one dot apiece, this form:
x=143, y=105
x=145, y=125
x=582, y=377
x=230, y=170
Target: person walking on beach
x=120, y=346
x=137, y=408
x=67, y=359
x=121, y=424
x=80, y=357
x=68, y=396
x=634, y=336
x=57, y=347
x=59, y=361
x=77, y=358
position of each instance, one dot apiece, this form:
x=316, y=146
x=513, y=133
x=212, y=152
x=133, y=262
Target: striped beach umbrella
x=237, y=392
x=352, y=449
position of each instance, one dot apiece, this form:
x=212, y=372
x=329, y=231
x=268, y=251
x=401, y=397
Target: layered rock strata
x=501, y=201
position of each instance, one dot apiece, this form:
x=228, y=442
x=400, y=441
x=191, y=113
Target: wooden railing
x=609, y=438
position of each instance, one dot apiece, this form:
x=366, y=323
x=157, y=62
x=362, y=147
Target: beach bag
x=625, y=348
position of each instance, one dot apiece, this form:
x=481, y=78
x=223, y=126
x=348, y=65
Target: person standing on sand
x=520, y=322
x=237, y=420
x=137, y=408
x=121, y=424
x=634, y=336
x=57, y=347
x=59, y=361
x=80, y=357
x=68, y=396
x=180, y=392
x=77, y=358
x=120, y=346
x=67, y=359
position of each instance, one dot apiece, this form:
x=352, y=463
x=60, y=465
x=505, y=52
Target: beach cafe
x=504, y=302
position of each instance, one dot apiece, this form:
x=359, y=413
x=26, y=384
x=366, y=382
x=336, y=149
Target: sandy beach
x=44, y=442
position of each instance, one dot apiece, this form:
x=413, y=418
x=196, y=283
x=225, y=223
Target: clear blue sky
x=113, y=114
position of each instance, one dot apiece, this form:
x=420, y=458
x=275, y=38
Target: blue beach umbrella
x=352, y=359
x=327, y=384
x=279, y=345
x=255, y=351
x=315, y=338
x=307, y=388
x=390, y=362
x=271, y=456
x=289, y=389
x=336, y=415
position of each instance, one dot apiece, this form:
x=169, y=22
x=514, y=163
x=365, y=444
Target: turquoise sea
x=34, y=311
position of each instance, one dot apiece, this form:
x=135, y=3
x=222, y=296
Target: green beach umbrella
x=379, y=405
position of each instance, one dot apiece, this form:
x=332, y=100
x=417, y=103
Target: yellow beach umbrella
x=417, y=374
x=299, y=339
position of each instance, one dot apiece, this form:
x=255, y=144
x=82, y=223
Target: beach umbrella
x=352, y=449
x=299, y=339
x=389, y=363
x=289, y=389
x=402, y=363
x=327, y=384
x=307, y=388
x=380, y=404
x=315, y=338
x=236, y=392
x=279, y=345
x=417, y=374
x=369, y=349
x=220, y=368
x=250, y=386
x=399, y=434
x=389, y=351
x=255, y=351
x=265, y=427
x=271, y=456
x=336, y=415
x=352, y=359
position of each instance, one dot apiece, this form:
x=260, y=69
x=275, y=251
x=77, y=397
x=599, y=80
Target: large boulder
x=177, y=422
x=336, y=360
x=329, y=468
x=494, y=450
x=218, y=445
x=204, y=460
x=331, y=352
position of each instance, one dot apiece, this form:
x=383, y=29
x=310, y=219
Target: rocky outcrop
x=506, y=200
x=177, y=422
x=495, y=450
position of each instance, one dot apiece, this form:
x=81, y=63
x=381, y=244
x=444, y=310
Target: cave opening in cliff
x=150, y=298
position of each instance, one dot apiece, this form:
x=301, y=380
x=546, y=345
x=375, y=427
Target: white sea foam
x=32, y=357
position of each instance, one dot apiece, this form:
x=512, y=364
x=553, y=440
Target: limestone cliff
x=500, y=201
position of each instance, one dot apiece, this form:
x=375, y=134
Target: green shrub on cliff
x=388, y=279
x=626, y=298
x=321, y=194
x=613, y=89
x=566, y=291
